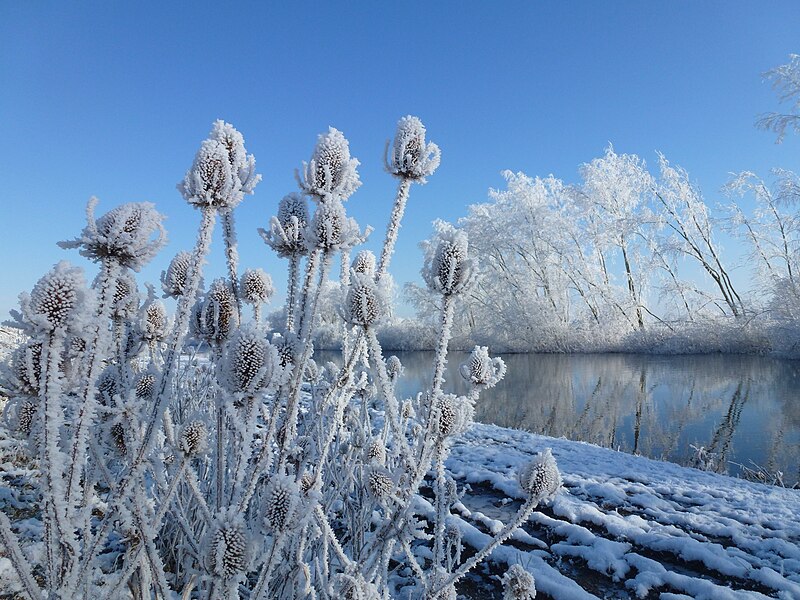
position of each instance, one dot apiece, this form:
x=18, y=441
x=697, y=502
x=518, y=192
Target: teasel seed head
x=256, y=286
x=286, y=234
x=125, y=302
x=26, y=367
x=193, y=439
x=394, y=368
x=155, y=323
x=281, y=502
x=366, y=302
x=483, y=371
x=26, y=415
x=376, y=452
x=518, y=584
x=379, y=482
x=288, y=348
x=353, y=587
x=215, y=316
x=448, y=268
x=364, y=262
x=229, y=553
x=145, y=385
x=243, y=165
x=540, y=478
x=331, y=229
x=453, y=414
x=210, y=182
x=411, y=156
x=331, y=172
x=436, y=579
x=249, y=362
x=57, y=301
x=117, y=435
x=175, y=278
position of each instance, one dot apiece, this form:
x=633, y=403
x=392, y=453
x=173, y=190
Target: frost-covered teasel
x=215, y=316
x=229, y=552
x=125, y=302
x=366, y=302
x=447, y=268
x=518, y=584
x=411, y=156
x=353, y=587
x=58, y=300
x=540, y=478
x=394, y=368
x=331, y=229
x=256, y=287
x=131, y=234
x=26, y=368
x=243, y=165
x=331, y=172
x=453, y=414
x=222, y=172
x=281, y=503
x=379, y=482
x=26, y=411
x=285, y=236
x=481, y=370
x=249, y=362
x=364, y=262
x=154, y=323
x=193, y=438
x=174, y=279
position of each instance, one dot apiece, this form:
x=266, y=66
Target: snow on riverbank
x=628, y=526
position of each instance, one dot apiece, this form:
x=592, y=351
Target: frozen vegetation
x=134, y=468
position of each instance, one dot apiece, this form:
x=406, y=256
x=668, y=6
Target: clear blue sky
x=112, y=99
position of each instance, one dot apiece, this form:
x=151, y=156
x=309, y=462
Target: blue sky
x=112, y=99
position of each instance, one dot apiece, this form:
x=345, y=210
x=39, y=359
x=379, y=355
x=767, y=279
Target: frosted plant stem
x=441, y=509
x=522, y=515
x=232, y=257
x=266, y=570
x=221, y=438
x=245, y=445
x=163, y=389
x=441, y=346
x=291, y=299
x=393, y=228
x=17, y=558
x=263, y=460
x=302, y=305
x=392, y=416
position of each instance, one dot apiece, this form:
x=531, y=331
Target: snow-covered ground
x=627, y=526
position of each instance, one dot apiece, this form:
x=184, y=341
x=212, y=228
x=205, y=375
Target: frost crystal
x=256, y=286
x=215, y=316
x=173, y=280
x=482, y=370
x=193, y=438
x=281, y=504
x=411, y=157
x=540, y=477
x=229, y=552
x=518, y=584
x=448, y=269
x=125, y=234
x=249, y=361
x=366, y=302
x=58, y=299
x=330, y=172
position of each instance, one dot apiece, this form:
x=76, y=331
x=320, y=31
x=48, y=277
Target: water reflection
x=740, y=408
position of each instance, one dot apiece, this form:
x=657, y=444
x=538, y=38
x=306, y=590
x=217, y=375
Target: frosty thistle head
x=411, y=156
x=173, y=280
x=58, y=300
x=125, y=302
x=540, y=478
x=281, y=504
x=331, y=229
x=447, y=269
x=256, y=286
x=453, y=414
x=215, y=316
x=249, y=362
x=366, y=303
x=243, y=165
x=364, y=262
x=193, y=439
x=518, y=584
x=26, y=368
x=229, y=553
x=331, y=172
x=154, y=323
x=481, y=370
x=130, y=234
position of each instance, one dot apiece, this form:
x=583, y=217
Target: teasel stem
x=109, y=272
x=232, y=256
x=221, y=439
x=441, y=346
x=18, y=559
x=393, y=228
x=392, y=417
x=522, y=515
x=344, y=281
x=263, y=461
x=291, y=299
x=245, y=443
x=441, y=509
x=162, y=394
x=311, y=267
x=266, y=570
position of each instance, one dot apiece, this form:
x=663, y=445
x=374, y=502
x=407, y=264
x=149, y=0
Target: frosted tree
x=786, y=81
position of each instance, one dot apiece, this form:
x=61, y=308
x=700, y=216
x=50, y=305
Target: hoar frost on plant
x=235, y=463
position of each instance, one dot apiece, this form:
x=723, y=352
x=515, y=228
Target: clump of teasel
x=411, y=156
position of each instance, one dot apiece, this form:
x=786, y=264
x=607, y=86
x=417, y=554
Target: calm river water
x=743, y=410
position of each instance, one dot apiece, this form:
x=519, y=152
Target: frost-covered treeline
x=634, y=257
x=250, y=471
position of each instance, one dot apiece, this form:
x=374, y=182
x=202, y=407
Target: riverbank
x=627, y=526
